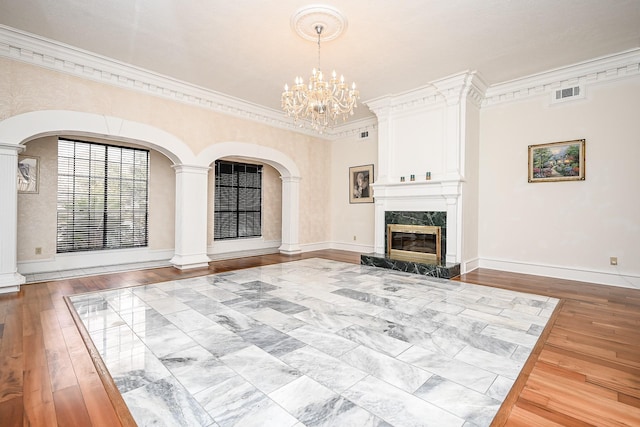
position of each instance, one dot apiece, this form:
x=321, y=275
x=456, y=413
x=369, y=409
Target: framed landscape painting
x=360, y=180
x=557, y=161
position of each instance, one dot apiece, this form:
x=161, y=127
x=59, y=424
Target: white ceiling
x=248, y=49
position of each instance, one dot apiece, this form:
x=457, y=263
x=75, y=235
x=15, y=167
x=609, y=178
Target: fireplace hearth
x=442, y=271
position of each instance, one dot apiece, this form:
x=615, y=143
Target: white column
x=191, y=217
x=10, y=279
x=454, y=226
x=379, y=226
x=290, y=215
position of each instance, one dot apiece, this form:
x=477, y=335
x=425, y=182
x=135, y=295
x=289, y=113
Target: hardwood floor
x=584, y=371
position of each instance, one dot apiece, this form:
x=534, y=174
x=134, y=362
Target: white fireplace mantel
x=427, y=196
x=428, y=130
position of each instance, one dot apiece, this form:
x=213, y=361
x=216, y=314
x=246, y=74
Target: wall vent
x=364, y=134
x=567, y=94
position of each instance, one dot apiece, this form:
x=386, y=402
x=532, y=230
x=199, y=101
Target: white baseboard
x=599, y=277
x=310, y=247
x=241, y=248
x=243, y=254
x=353, y=247
x=76, y=260
x=470, y=265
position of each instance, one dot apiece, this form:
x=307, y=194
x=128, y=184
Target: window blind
x=238, y=200
x=102, y=196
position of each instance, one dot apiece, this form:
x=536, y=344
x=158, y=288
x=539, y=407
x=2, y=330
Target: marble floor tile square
x=327, y=370
x=400, y=374
x=261, y=369
x=474, y=407
x=165, y=403
x=313, y=343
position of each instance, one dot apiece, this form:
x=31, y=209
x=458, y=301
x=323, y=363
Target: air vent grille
x=567, y=94
x=364, y=134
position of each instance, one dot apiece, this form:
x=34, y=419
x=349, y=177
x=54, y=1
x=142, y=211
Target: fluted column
x=10, y=279
x=191, y=217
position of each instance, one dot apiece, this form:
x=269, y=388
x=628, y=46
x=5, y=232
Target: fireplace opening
x=417, y=243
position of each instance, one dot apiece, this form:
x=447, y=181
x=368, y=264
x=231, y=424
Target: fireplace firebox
x=416, y=243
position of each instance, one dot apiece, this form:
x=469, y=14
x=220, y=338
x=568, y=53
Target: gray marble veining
x=313, y=343
x=325, y=369
x=165, y=403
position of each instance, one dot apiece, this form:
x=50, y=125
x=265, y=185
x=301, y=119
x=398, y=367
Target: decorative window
x=238, y=200
x=102, y=196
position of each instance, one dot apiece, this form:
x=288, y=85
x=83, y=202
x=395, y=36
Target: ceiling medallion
x=319, y=102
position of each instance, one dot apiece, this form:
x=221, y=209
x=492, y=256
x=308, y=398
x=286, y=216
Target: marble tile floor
x=313, y=343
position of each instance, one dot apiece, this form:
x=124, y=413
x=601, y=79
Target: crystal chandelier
x=320, y=101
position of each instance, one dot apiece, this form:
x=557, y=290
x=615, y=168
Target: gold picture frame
x=557, y=161
x=28, y=174
x=360, y=180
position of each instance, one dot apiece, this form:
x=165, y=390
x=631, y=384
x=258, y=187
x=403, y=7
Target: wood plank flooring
x=585, y=371
x=587, y=368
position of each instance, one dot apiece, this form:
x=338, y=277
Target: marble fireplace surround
x=433, y=219
x=434, y=203
x=420, y=203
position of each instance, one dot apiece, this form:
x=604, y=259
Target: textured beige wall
x=162, y=202
x=25, y=88
x=37, y=212
x=271, y=204
x=349, y=220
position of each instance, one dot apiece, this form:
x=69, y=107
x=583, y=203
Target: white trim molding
x=351, y=247
x=93, y=259
x=603, y=69
x=569, y=273
x=35, y=50
x=241, y=248
x=470, y=265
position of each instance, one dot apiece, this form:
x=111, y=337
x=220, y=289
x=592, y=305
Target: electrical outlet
x=613, y=260
x=354, y=238
x=38, y=251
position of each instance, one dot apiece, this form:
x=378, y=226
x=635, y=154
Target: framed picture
x=28, y=171
x=360, y=180
x=557, y=161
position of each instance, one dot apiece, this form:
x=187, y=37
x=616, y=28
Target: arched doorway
x=191, y=179
x=289, y=174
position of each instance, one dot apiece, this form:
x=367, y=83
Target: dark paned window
x=238, y=200
x=102, y=196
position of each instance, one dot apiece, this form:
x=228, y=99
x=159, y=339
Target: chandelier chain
x=319, y=31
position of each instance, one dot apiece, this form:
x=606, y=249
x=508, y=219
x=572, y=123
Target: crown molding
x=35, y=50
x=354, y=128
x=29, y=48
x=450, y=90
x=603, y=69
